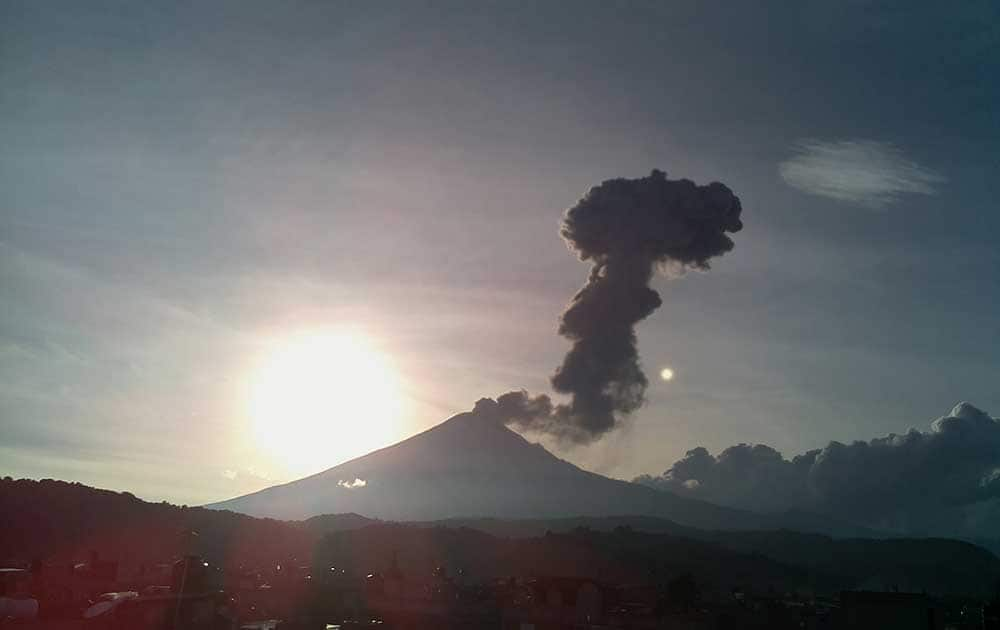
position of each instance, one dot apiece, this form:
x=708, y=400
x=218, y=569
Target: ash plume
x=627, y=229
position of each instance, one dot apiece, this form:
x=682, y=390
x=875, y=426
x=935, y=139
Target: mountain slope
x=469, y=466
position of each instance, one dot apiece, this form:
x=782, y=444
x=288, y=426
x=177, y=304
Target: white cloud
x=866, y=172
x=350, y=485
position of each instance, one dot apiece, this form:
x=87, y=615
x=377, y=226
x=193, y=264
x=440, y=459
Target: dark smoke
x=627, y=229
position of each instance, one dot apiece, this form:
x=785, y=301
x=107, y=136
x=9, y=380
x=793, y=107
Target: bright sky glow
x=320, y=398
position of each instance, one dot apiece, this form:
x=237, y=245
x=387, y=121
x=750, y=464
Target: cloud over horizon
x=943, y=480
x=865, y=172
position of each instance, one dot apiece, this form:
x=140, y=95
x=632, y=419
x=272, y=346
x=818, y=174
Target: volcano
x=472, y=466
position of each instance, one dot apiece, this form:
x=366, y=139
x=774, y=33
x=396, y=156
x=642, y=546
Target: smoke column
x=628, y=229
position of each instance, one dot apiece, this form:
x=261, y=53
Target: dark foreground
x=68, y=551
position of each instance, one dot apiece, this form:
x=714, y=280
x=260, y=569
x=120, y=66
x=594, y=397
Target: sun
x=319, y=398
x=667, y=374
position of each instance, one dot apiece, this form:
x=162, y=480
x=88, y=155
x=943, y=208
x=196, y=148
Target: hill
x=914, y=564
x=58, y=521
x=754, y=561
x=55, y=521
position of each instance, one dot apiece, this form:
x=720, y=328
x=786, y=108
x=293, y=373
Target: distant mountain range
x=55, y=521
x=469, y=466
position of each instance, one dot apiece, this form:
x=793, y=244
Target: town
x=192, y=593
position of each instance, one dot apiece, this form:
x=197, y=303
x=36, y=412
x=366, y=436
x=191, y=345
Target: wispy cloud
x=866, y=172
x=246, y=474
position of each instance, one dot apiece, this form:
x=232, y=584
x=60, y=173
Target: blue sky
x=182, y=184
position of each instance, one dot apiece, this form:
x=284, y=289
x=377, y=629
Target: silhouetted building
x=191, y=574
x=14, y=581
x=560, y=602
x=877, y=611
x=991, y=615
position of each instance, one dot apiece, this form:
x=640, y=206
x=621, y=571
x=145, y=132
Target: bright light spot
x=667, y=374
x=320, y=398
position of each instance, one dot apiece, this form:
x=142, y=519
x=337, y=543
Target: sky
x=187, y=186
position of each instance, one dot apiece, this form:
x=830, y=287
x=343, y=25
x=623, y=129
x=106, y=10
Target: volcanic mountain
x=473, y=466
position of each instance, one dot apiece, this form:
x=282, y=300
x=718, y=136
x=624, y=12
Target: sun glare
x=320, y=398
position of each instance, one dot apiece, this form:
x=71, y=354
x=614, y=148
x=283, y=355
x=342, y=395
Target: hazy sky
x=183, y=184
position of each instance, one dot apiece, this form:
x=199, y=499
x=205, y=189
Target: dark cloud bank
x=627, y=229
x=942, y=481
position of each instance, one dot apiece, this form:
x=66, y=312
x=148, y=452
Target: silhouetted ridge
x=58, y=522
